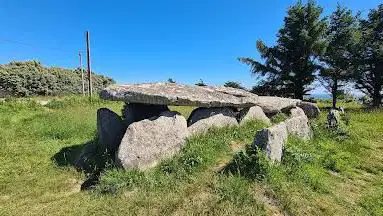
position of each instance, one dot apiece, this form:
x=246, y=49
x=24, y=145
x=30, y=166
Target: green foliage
x=342, y=36
x=170, y=80
x=369, y=56
x=251, y=163
x=279, y=117
x=290, y=65
x=200, y=83
x=333, y=176
x=233, y=84
x=31, y=78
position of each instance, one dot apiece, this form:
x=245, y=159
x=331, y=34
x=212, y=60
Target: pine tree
x=291, y=64
x=233, y=84
x=341, y=37
x=369, y=56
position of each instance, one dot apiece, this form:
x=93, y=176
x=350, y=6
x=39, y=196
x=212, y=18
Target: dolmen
x=147, y=132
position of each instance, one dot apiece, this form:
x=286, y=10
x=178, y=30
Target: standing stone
x=272, y=140
x=296, y=112
x=253, y=113
x=203, y=113
x=135, y=112
x=333, y=119
x=201, y=119
x=149, y=141
x=299, y=126
x=311, y=109
x=110, y=130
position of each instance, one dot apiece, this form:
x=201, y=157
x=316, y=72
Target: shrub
x=31, y=78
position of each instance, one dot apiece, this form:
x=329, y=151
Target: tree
x=233, y=84
x=200, y=83
x=291, y=64
x=369, y=56
x=170, y=80
x=341, y=37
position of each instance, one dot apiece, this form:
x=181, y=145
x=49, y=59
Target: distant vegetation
x=200, y=83
x=233, y=84
x=31, y=78
x=337, y=50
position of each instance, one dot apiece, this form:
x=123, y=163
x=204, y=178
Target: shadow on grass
x=88, y=158
x=67, y=156
x=250, y=163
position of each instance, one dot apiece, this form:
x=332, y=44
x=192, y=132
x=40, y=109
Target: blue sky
x=147, y=41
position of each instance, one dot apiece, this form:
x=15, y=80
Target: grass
x=215, y=174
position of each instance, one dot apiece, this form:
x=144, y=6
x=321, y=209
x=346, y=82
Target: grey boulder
x=272, y=105
x=202, y=119
x=311, y=109
x=110, y=130
x=299, y=126
x=253, y=113
x=149, y=141
x=272, y=140
x=203, y=113
x=296, y=112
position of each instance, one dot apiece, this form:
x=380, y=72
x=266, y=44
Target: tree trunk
x=334, y=92
x=377, y=99
x=299, y=91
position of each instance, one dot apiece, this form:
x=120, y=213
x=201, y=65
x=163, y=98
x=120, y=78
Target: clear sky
x=147, y=41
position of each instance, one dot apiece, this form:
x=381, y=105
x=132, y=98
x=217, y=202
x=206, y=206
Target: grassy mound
x=215, y=174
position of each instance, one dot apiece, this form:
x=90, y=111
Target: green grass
x=215, y=173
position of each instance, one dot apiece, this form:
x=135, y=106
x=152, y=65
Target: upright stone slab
x=201, y=119
x=299, y=126
x=178, y=94
x=149, y=141
x=311, y=109
x=110, y=130
x=203, y=113
x=137, y=111
x=272, y=140
x=296, y=112
x=253, y=113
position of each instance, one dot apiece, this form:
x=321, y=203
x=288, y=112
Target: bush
x=31, y=78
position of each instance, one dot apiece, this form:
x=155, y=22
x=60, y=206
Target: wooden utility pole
x=89, y=70
x=82, y=74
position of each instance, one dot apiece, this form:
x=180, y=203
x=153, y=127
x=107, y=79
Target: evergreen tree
x=170, y=80
x=369, y=56
x=233, y=84
x=200, y=83
x=341, y=36
x=290, y=65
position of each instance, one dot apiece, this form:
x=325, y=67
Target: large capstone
x=272, y=140
x=253, y=113
x=135, y=112
x=149, y=141
x=201, y=119
x=311, y=109
x=178, y=94
x=273, y=105
x=110, y=130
